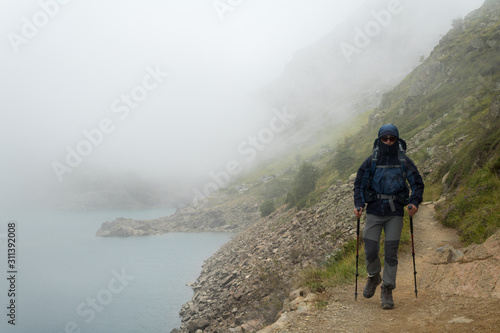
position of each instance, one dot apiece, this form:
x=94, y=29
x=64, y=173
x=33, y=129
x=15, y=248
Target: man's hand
x=358, y=211
x=412, y=210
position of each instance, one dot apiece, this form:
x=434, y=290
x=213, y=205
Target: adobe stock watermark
x=248, y=149
x=90, y=308
x=372, y=29
x=30, y=27
x=222, y=7
x=121, y=107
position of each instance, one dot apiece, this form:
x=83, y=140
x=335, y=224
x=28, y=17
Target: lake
x=65, y=279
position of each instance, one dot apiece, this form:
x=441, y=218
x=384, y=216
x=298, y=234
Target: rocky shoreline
x=243, y=287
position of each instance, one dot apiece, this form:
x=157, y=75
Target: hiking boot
x=386, y=297
x=371, y=285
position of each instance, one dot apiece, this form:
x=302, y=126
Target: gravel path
x=431, y=312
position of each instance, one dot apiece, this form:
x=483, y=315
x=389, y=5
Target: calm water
x=68, y=280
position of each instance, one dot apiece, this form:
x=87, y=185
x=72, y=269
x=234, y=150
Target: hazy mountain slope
x=447, y=109
x=347, y=71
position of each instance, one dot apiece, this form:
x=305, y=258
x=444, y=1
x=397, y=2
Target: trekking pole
x=413, y=252
x=357, y=257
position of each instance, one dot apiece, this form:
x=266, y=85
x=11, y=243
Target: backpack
x=403, y=196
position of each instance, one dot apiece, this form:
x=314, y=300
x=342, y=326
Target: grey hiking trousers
x=392, y=225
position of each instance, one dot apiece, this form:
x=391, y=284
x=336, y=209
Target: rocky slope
x=242, y=286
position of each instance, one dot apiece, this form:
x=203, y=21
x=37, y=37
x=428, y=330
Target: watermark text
x=222, y=7
x=12, y=265
x=89, y=308
x=31, y=27
x=363, y=36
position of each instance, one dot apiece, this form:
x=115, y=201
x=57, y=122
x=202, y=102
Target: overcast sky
x=66, y=67
x=152, y=85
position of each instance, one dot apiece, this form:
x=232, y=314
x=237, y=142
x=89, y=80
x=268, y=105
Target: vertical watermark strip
x=11, y=273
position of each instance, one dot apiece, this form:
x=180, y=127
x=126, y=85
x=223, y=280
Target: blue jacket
x=387, y=180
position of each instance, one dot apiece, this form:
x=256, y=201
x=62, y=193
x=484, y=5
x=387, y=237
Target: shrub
x=303, y=184
x=267, y=208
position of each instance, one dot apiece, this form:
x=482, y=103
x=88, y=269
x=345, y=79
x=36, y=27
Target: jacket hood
x=388, y=129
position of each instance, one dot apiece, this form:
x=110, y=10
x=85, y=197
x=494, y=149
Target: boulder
x=474, y=272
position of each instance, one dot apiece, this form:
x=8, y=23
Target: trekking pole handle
x=357, y=212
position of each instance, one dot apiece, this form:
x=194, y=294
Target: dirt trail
x=432, y=311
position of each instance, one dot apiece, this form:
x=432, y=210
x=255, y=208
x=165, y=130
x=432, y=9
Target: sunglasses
x=388, y=138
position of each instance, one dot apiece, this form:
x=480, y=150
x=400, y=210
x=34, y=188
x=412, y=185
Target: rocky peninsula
x=210, y=217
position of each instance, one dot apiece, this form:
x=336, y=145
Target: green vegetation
x=473, y=206
x=339, y=269
x=303, y=184
x=474, y=209
x=267, y=208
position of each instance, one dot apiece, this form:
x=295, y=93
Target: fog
x=164, y=89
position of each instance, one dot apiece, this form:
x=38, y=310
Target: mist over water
x=170, y=86
x=165, y=90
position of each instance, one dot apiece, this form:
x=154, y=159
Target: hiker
x=381, y=183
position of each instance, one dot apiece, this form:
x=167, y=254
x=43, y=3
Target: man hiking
x=381, y=183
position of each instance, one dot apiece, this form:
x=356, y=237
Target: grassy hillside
x=455, y=93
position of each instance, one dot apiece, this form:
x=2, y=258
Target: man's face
x=388, y=139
